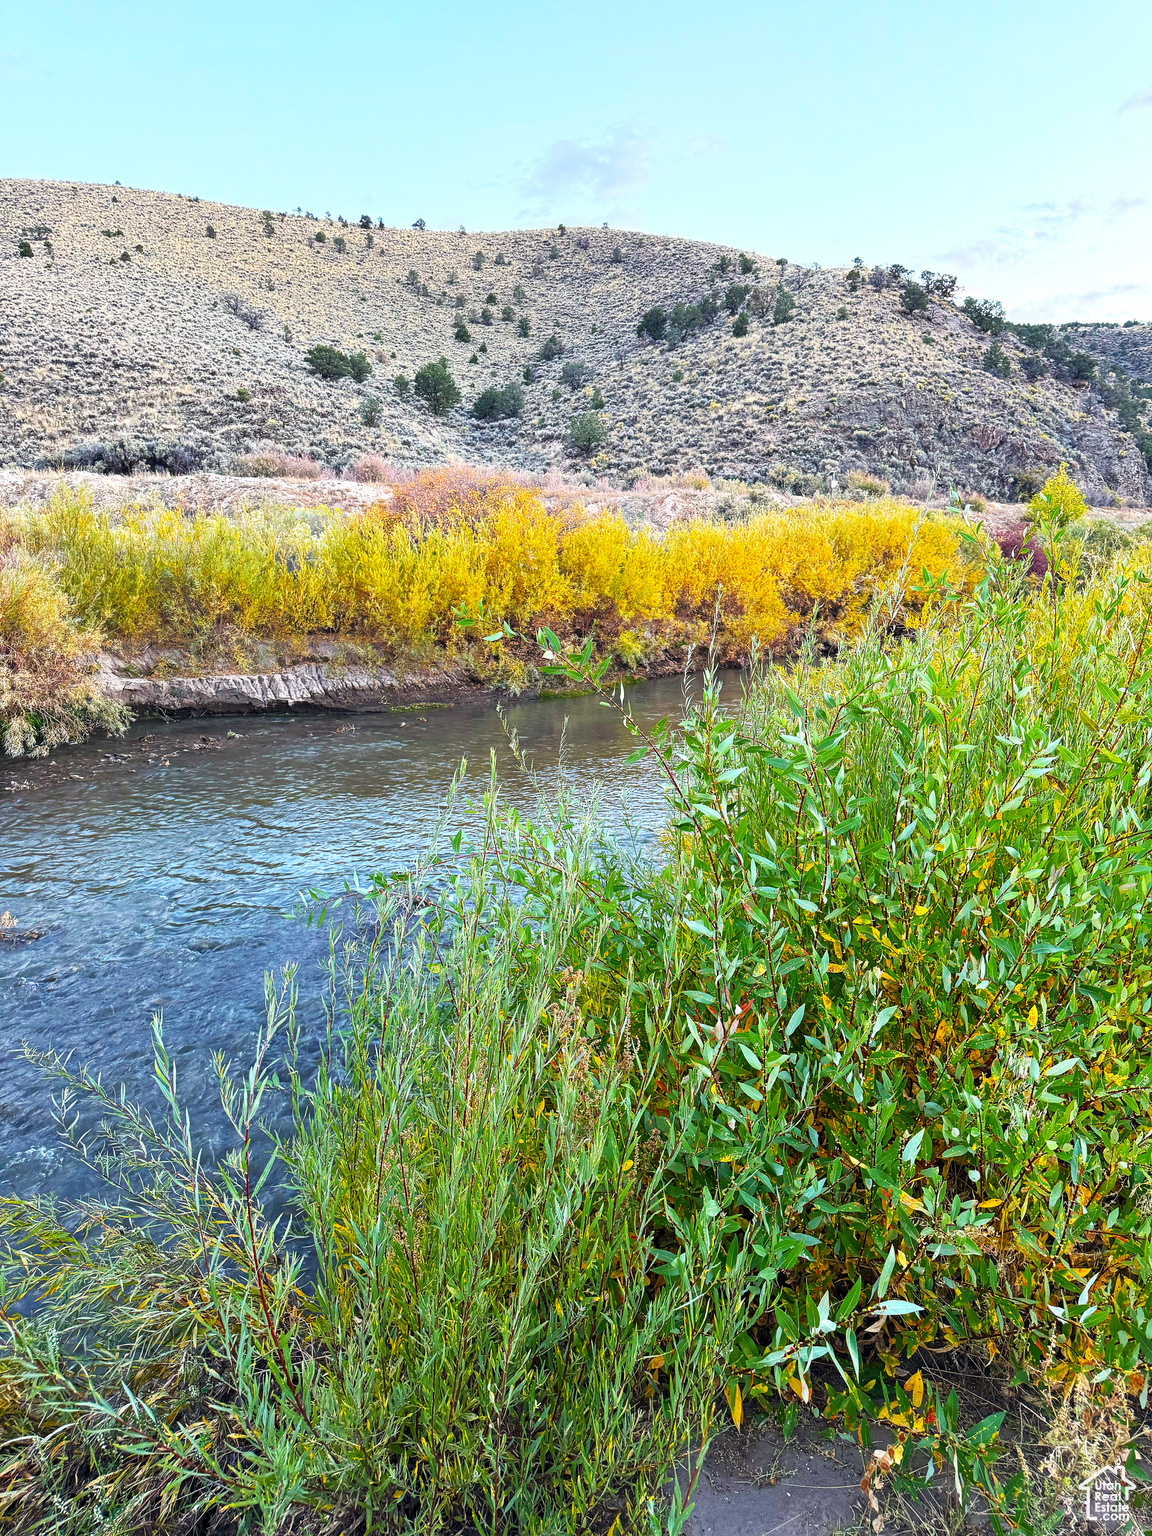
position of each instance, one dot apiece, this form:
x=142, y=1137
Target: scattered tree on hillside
x=783, y=309
x=914, y=298
x=587, y=432
x=330, y=363
x=498, y=404
x=435, y=385
x=552, y=348
x=985, y=314
x=997, y=361
x=244, y=312
x=575, y=374
x=653, y=323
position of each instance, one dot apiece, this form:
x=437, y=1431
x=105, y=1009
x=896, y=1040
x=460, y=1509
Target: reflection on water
x=164, y=880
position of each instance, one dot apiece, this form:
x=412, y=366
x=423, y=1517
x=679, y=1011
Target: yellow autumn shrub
x=152, y=573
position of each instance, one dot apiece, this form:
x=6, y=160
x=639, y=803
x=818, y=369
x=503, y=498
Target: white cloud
x=1082, y=259
x=605, y=173
x=1129, y=299
x=1141, y=101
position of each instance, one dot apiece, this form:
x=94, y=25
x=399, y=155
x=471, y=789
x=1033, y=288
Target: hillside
x=1126, y=347
x=130, y=322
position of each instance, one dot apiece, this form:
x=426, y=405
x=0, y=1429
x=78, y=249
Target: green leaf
x=881, y=1285
x=1063, y=1066
x=982, y=1433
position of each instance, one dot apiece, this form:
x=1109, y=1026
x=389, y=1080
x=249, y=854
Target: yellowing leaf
x=1032, y=1016
x=735, y=1404
x=625, y=1167
x=914, y=1387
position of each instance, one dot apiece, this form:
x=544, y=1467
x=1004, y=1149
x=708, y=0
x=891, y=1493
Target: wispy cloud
x=1141, y=102
x=1040, y=227
x=706, y=144
x=1058, y=306
x=605, y=172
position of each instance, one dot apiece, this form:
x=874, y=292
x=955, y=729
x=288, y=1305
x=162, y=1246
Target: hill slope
x=118, y=326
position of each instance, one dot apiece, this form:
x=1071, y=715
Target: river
x=163, y=872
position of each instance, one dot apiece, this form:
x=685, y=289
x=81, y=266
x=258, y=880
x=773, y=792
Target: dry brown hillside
x=118, y=328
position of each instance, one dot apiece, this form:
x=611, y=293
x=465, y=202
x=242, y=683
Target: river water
x=163, y=871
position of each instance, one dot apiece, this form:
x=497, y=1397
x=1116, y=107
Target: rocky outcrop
x=1126, y=347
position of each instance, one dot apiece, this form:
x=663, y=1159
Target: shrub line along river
x=162, y=869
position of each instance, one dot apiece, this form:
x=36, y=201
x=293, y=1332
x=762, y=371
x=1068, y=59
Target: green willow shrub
x=913, y=984
x=489, y=1332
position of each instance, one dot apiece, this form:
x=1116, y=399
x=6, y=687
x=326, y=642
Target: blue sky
x=1008, y=142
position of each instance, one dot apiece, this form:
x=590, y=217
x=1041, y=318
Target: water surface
x=163, y=870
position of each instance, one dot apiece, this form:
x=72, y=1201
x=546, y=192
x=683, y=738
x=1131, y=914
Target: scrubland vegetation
x=845, y=1098
x=401, y=575
x=46, y=696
